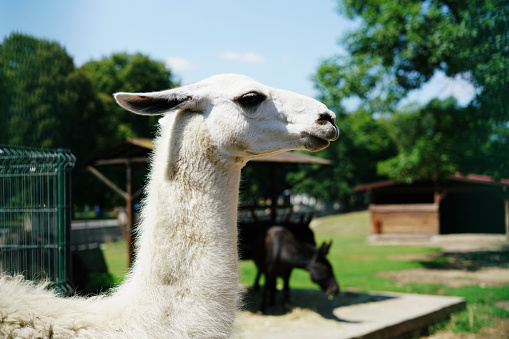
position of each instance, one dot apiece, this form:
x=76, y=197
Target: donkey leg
x=256, y=285
x=268, y=293
x=287, y=305
x=271, y=282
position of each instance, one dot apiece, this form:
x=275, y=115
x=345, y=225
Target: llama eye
x=250, y=99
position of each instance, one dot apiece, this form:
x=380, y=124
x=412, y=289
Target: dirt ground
x=472, y=260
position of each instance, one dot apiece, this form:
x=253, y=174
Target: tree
x=495, y=153
x=401, y=44
x=34, y=77
x=433, y=141
x=483, y=54
x=125, y=73
x=111, y=124
x=45, y=101
x=398, y=46
x=4, y=102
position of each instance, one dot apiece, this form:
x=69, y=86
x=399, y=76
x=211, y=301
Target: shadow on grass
x=313, y=300
x=469, y=261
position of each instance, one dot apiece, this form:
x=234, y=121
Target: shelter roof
x=458, y=177
x=137, y=150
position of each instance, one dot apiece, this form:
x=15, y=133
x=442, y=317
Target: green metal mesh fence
x=35, y=212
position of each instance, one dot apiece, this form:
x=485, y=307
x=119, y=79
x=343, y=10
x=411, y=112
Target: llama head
x=244, y=118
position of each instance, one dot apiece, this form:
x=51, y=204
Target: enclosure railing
x=35, y=212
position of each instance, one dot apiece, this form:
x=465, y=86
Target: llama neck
x=186, y=261
x=189, y=223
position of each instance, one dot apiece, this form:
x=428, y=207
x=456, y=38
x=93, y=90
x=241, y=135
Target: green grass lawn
x=357, y=263
x=115, y=255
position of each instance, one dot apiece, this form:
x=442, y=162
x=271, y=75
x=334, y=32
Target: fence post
x=63, y=219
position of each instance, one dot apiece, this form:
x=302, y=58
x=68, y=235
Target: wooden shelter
x=460, y=204
x=134, y=152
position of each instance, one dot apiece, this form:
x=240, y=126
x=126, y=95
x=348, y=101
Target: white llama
x=184, y=282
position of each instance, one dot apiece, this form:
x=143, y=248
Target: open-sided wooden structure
x=135, y=152
x=460, y=204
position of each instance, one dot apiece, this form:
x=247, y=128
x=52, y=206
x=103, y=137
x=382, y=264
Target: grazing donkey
x=283, y=253
x=252, y=240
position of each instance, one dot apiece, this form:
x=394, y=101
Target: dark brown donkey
x=283, y=254
x=252, y=240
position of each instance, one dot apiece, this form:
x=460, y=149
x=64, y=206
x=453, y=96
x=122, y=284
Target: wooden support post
x=129, y=197
x=506, y=205
x=437, y=199
x=106, y=181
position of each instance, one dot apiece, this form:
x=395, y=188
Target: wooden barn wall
x=405, y=218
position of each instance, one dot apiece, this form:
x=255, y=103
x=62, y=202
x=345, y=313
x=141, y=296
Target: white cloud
x=179, y=64
x=243, y=57
x=441, y=86
x=459, y=88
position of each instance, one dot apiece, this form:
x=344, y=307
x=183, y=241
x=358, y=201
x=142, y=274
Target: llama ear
x=153, y=103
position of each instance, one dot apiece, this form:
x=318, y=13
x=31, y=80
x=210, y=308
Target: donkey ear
x=153, y=103
x=329, y=246
x=324, y=249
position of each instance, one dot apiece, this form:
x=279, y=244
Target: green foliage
x=484, y=53
x=124, y=73
x=45, y=101
x=34, y=77
x=495, y=153
x=111, y=124
x=433, y=141
x=399, y=45
x=396, y=48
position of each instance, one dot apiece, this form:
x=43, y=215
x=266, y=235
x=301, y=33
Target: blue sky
x=278, y=42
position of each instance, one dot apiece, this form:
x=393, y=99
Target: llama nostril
x=324, y=118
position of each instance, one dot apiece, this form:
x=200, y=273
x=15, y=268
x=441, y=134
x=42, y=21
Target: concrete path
x=374, y=315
